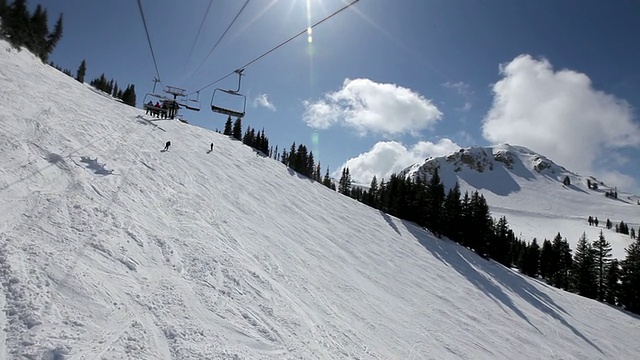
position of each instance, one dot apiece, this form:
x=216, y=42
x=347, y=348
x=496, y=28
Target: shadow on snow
x=473, y=267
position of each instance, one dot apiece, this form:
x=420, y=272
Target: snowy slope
x=111, y=249
x=528, y=189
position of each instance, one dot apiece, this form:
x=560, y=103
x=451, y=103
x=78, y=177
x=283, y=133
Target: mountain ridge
x=518, y=183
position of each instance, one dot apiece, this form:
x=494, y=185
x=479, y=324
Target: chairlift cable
x=146, y=30
x=199, y=31
x=281, y=44
x=222, y=36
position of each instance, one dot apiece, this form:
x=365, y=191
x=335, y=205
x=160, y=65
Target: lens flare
x=315, y=138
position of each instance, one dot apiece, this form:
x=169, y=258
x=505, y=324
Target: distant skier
x=166, y=146
x=211, y=147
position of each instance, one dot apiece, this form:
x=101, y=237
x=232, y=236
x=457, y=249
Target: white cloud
x=371, y=107
x=558, y=113
x=263, y=100
x=388, y=157
x=617, y=179
x=465, y=91
x=461, y=87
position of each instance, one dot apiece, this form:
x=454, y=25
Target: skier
x=166, y=146
x=211, y=147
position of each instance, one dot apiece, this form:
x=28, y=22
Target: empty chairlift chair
x=218, y=94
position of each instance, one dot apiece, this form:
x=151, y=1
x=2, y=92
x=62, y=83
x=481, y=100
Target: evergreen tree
x=326, y=181
x=467, y=215
x=38, y=31
x=264, y=146
x=434, y=201
x=3, y=8
x=227, y=127
x=602, y=253
x=499, y=245
x=248, y=137
x=109, y=89
x=481, y=224
x=612, y=284
x=129, y=95
x=310, y=165
x=237, y=129
x=584, y=277
x=560, y=278
x=53, y=38
x=630, y=276
x=82, y=70
x=452, y=213
x=548, y=261
x=344, y=184
x=530, y=258
x=16, y=23
x=373, y=192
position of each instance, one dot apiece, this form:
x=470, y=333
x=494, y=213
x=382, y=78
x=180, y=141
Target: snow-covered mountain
x=110, y=249
x=529, y=189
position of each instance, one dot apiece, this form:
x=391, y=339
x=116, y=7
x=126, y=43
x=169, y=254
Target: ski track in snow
x=113, y=250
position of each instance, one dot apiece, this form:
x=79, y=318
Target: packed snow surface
x=110, y=249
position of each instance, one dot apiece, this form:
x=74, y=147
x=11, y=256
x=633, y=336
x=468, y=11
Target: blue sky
x=388, y=83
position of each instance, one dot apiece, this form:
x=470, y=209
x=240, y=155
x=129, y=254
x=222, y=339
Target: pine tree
x=373, y=192
x=434, y=201
x=467, y=215
x=530, y=258
x=53, y=38
x=16, y=23
x=612, y=285
x=481, y=224
x=227, y=127
x=560, y=278
x=3, y=8
x=499, y=245
x=38, y=31
x=128, y=96
x=237, y=129
x=630, y=276
x=326, y=181
x=548, y=261
x=602, y=253
x=248, y=137
x=82, y=70
x=344, y=184
x=583, y=274
x=452, y=213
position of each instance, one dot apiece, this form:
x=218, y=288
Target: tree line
x=590, y=271
x=127, y=95
x=29, y=30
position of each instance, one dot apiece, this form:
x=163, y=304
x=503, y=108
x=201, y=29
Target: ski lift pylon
x=236, y=93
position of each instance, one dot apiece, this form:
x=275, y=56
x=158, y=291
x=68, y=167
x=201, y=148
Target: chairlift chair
x=234, y=93
x=150, y=97
x=191, y=104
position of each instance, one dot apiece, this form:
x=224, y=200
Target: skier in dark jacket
x=166, y=146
